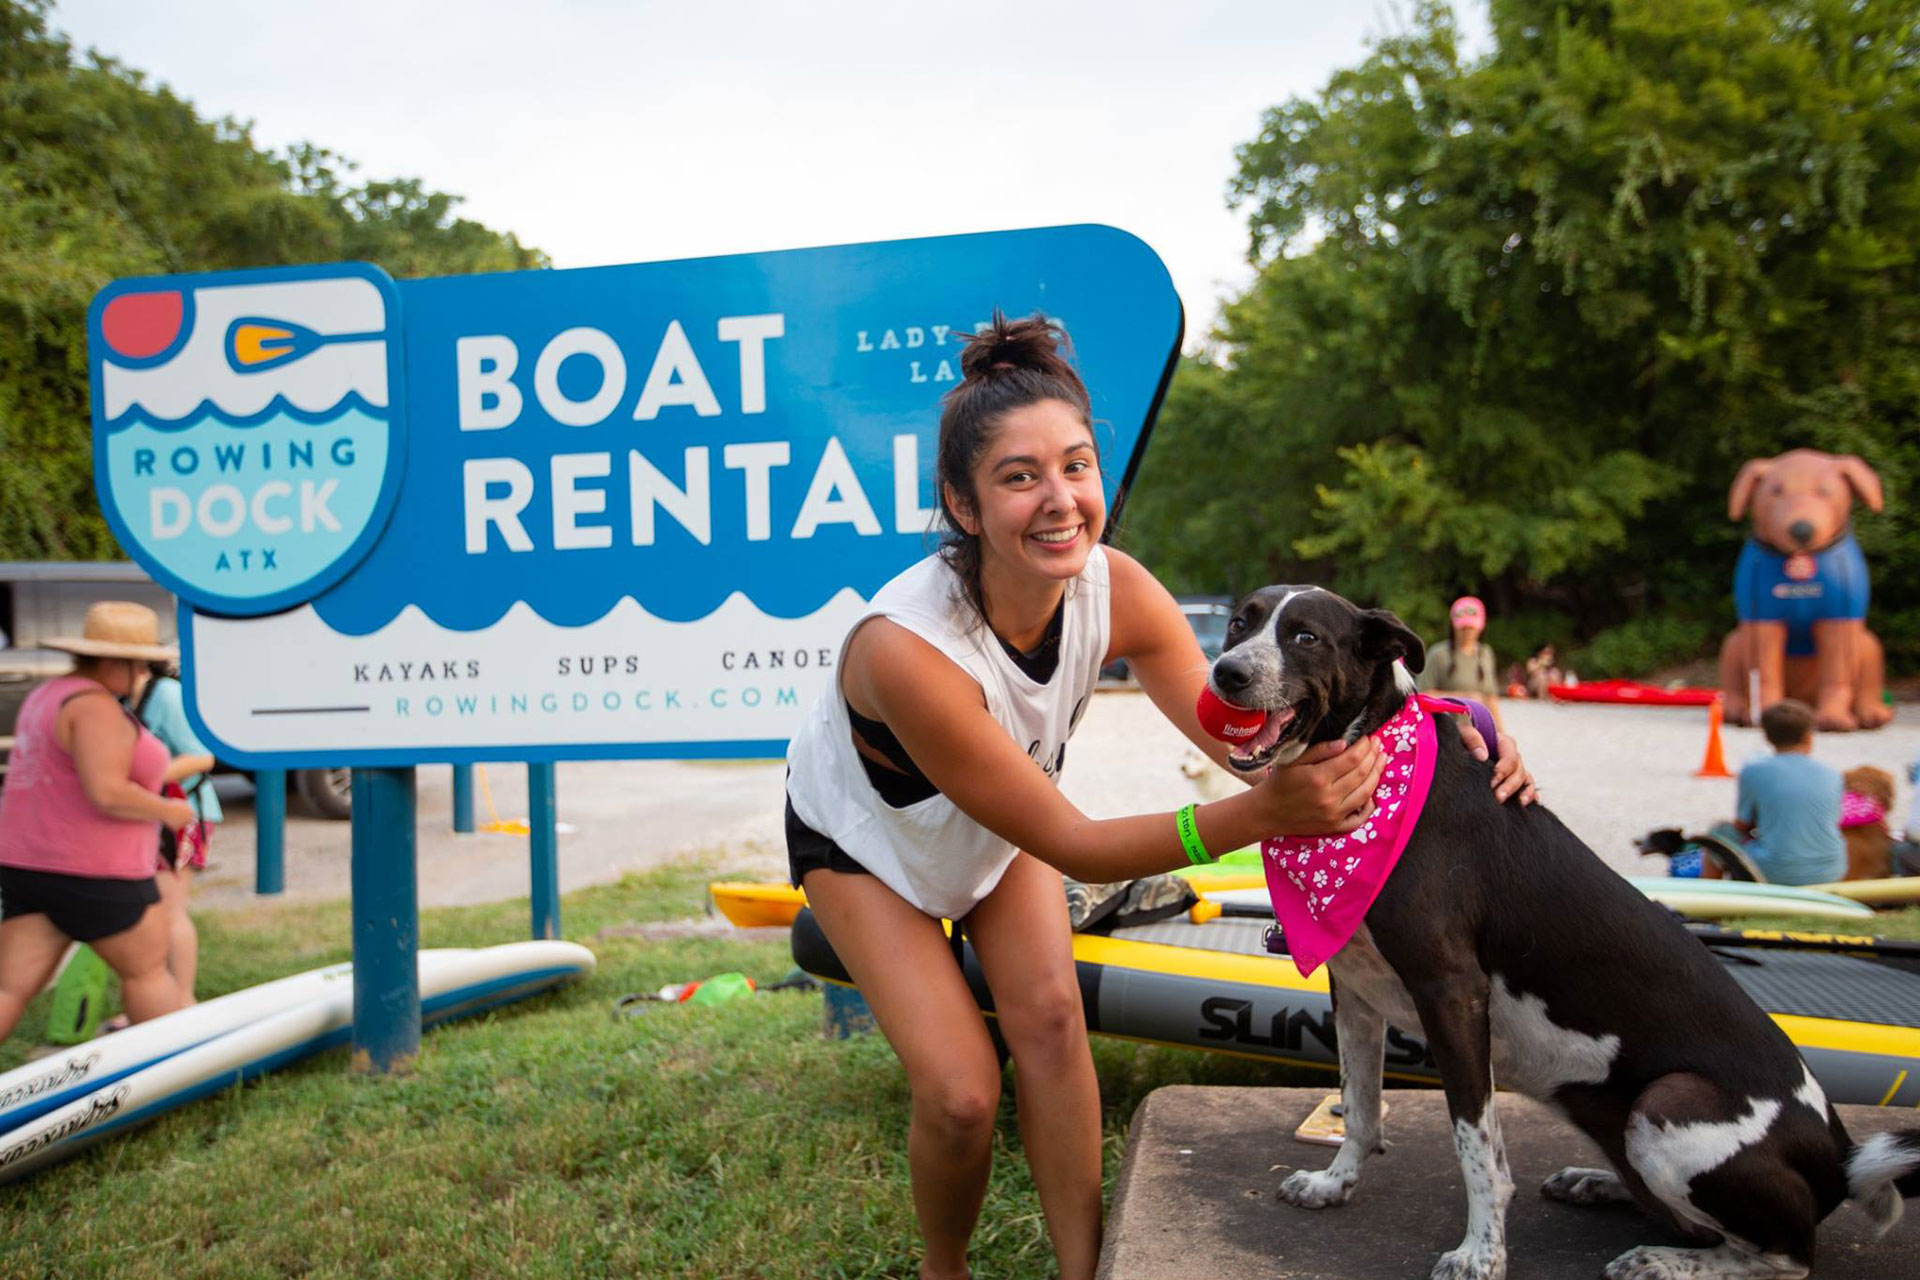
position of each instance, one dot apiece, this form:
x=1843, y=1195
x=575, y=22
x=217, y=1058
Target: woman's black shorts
x=82, y=907
x=808, y=850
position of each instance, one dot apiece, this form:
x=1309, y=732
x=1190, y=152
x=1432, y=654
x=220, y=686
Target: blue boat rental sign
x=613, y=511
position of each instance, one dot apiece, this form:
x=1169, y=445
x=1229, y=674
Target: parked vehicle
x=39, y=599
x=1207, y=615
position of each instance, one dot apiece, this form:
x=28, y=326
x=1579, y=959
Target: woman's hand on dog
x=1510, y=774
x=1327, y=791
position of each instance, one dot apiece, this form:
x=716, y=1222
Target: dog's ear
x=1383, y=637
x=1744, y=484
x=1862, y=479
x=1871, y=781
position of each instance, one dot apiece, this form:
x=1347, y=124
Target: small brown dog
x=1869, y=842
x=1801, y=592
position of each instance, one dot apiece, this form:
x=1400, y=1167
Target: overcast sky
x=606, y=132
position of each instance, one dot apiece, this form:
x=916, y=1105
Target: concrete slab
x=1196, y=1197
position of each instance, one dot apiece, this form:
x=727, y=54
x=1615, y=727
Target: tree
x=1518, y=322
x=103, y=176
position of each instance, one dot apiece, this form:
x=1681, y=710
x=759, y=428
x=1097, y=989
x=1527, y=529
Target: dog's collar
x=1322, y=886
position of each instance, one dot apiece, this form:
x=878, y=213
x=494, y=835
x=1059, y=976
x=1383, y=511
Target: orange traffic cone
x=1715, y=764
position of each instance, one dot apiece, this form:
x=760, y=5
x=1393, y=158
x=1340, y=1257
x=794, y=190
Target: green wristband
x=1190, y=838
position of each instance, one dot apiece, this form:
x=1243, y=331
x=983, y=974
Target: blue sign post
x=544, y=515
x=269, y=831
x=543, y=832
x=463, y=799
x=386, y=921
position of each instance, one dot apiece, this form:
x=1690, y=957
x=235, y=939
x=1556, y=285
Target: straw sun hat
x=118, y=629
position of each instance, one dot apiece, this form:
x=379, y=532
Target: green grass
x=1903, y=925
x=548, y=1138
x=551, y=1138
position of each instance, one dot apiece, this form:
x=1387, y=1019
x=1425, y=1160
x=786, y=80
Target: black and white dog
x=1524, y=961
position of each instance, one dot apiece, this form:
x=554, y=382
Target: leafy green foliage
x=103, y=175
x=1641, y=645
x=1518, y=322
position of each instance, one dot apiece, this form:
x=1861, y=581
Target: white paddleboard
x=452, y=984
x=1898, y=891
x=38, y=1087
x=1739, y=888
x=1721, y=899
x=219, y=1062
x=1703, y=899
x=45, y=1085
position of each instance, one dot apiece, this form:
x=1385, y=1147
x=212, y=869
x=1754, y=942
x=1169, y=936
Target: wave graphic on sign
x=243, y=353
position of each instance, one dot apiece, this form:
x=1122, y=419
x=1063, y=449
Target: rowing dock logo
x=248, y=433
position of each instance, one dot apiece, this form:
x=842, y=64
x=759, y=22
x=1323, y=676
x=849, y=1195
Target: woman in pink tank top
x=80, y=822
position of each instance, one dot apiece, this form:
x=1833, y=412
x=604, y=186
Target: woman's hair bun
x=1005, y=366
x=1035, y=343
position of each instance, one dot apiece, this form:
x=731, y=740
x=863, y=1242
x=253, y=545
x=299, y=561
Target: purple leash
x=1482, y=723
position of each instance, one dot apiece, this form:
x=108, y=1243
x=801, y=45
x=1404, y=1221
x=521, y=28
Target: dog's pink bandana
x=1322, y=886
x=1857, y=810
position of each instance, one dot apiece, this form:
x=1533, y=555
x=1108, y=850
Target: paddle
x=256, y=343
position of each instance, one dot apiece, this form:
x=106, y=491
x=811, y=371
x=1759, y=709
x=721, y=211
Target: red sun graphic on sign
x=140, y=326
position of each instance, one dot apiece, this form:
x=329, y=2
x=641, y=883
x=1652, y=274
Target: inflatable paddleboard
x=45, y=1085
x=1213, y=986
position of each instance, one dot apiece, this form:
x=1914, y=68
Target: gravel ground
x=1611, y=773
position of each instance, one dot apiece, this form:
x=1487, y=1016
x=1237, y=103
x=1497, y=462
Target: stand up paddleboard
x=763, y=905
x=1854, y=1018
x=53, y=1081
x=1900, y=891
x=1701, y=899
x=55, y=1105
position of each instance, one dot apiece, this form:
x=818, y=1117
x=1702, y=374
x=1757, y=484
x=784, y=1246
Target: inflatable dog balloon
x=1800, y=590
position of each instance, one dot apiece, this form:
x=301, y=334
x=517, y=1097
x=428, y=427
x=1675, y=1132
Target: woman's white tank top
x=930, y=853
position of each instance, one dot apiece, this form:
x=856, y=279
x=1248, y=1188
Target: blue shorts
x=1801, y=589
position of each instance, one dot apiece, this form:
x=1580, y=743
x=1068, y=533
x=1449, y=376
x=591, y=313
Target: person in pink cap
x=1462, y=666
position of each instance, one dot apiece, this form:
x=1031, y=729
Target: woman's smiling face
x=1040, y=505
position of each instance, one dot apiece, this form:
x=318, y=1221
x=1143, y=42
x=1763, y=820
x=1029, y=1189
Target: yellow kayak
x=756, y=906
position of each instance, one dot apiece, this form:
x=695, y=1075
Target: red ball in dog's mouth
x=1225, y=721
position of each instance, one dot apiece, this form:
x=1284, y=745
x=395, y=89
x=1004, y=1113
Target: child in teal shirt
x=1788, y=807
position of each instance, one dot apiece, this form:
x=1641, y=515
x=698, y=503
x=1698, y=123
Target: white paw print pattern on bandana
x=1321, y=866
